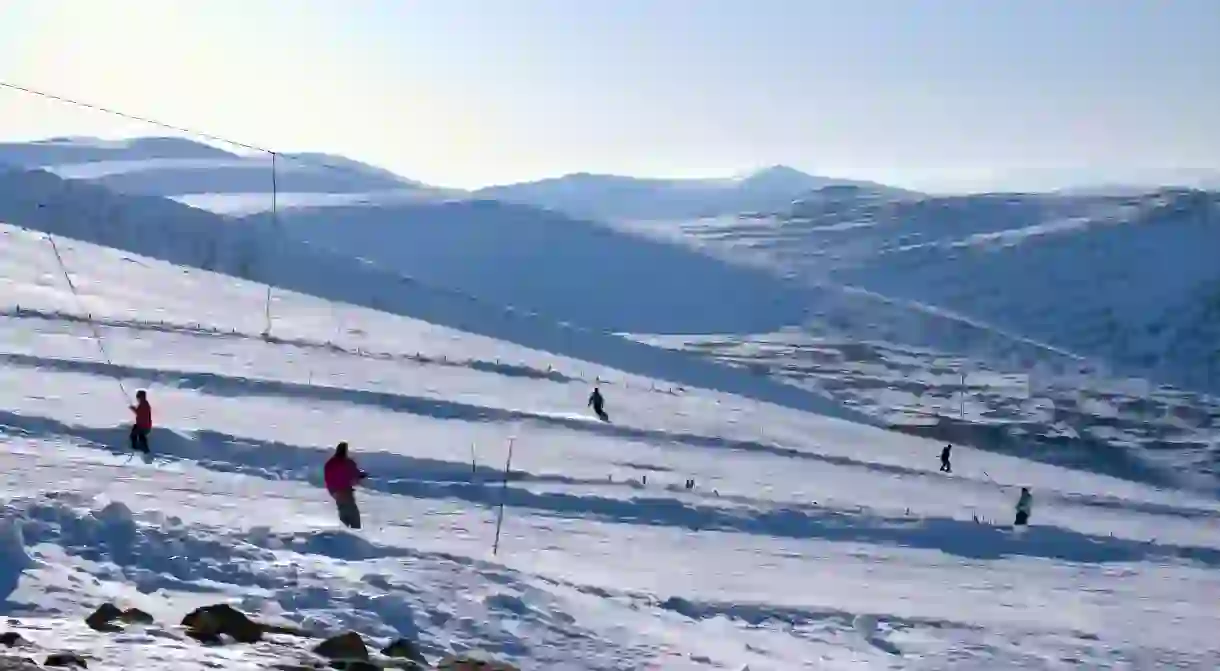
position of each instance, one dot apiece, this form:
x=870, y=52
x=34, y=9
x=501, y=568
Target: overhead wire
x=275, y=156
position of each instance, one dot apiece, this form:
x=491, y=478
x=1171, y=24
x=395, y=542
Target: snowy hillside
x=578, y=271
x=546, y=262
x=994, y=275
x=807, y=542
x=167, y=230
x=614, y=197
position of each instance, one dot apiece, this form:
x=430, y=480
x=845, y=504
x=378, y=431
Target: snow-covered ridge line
x=1080, y=273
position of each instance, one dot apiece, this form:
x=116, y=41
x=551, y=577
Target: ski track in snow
x=808, y=542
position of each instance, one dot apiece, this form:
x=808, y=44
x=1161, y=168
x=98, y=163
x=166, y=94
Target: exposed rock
x=470, y=663
x=206, y=624
x=66, y=659
x=103, y=618
x=136, y=616
x=12, y=639
x=405, y=649
x=8, y=663
x=343, y=646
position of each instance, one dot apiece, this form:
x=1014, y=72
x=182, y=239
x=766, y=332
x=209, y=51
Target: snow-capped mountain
x=613, y=197
x=1124, y=280
x=222, y=181
x=542, y=261
x=165, y=229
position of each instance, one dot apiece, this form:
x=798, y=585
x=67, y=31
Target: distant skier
x=1025, y=506
x=341, y=475
x=945, y=466
x=598, y=404
x=143, y=426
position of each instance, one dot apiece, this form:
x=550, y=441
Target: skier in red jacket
x=341, y=475
x=143, y=425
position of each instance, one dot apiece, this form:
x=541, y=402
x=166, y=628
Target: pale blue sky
x=924, y=93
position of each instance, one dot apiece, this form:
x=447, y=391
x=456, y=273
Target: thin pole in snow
x=963, y=399
x=275, y=223
x=503, y=495
x=474, y=468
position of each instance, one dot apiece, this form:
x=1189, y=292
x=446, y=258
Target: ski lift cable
x=276, y=157
x=97, y=335
x=310, y=161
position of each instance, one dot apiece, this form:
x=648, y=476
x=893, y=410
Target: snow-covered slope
x=807, y=542
x=614, y=197
x=173, y=232
x=1128, y=282
x=578, y=271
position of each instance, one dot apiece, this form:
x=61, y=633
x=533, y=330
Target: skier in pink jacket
x=341, y=475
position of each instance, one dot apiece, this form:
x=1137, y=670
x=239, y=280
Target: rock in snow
x=343, y=646
x=207, y=624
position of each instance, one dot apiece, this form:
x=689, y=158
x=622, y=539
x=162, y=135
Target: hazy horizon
x=932, y=95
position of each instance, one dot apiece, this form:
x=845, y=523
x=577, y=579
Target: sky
x=930, y=94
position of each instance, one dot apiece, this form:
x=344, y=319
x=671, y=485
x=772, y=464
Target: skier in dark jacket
x=1025, y=505
x=598, y=404
x=143, y=426
x=945, y=466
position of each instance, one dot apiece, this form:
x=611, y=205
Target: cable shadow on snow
x=963, y=539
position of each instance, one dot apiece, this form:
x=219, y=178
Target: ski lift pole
x=495, y=548
x=963, y=399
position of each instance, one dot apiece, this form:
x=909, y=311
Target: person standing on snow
x=945, y=467
x=1025, y=506
x=143, y=426
x=598, y=404
x=341, y=475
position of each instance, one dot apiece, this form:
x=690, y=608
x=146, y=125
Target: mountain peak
x=779, y=171
x=781, y=178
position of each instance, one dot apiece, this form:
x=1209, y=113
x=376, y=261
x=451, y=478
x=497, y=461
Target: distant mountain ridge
x=614, y=197
x=205, y=176
x=183, y=169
